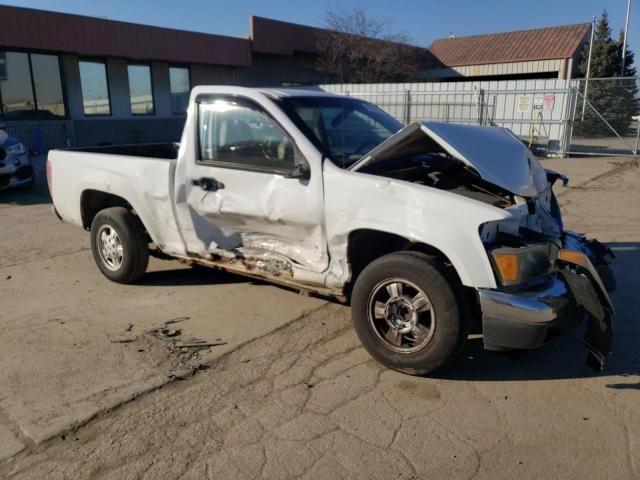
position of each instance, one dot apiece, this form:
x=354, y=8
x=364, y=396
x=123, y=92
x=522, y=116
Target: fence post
x=481, y=112
x=407, y=107
x=637, y=119
x=570, y=116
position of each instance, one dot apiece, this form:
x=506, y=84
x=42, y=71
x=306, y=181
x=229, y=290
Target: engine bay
x=443, y=172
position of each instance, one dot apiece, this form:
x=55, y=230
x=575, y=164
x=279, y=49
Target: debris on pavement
x=200, y=344
x=176, y=320
x=170, y=332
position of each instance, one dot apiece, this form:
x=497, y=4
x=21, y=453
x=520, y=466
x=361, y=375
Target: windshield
x=343, y=128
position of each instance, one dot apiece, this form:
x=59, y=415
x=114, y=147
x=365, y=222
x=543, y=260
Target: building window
x=47, y=83
x=180, y=87
x=30, y=84
x=17, y=92
x=140, y=89
x=95, y=88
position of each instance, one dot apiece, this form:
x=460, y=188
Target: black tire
x=131, y=235
x=449, y=323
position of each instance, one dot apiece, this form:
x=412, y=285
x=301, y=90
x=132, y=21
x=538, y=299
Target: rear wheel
x=119, y=245
x=406, y=313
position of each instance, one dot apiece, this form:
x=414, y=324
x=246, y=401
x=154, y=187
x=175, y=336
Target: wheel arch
x=365, y=245
x=360, y=254
x=92, y=201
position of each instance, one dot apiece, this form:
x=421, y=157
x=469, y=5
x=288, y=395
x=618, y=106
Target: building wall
x=161, y=88
x=212, y=75
x=498, y=69
x=275, y=70
x=73, y=91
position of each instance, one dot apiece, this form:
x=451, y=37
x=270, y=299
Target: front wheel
x=406, y=313
x=119, y=245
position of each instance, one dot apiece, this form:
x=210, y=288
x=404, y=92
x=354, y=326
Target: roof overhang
x=29, y=29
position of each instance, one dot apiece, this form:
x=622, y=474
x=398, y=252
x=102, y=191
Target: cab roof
x=296, y=92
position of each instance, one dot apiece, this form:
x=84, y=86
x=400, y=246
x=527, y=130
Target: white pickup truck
x=423, y=229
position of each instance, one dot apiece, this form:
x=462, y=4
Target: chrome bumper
x=523, y=320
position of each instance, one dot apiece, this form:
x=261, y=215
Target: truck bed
x=141, y=175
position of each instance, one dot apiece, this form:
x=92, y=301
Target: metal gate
x=605, y=117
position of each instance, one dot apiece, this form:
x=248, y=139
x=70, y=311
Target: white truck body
x=297, y=229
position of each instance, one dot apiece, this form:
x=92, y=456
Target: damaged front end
x=548, y=279
x=544, y=290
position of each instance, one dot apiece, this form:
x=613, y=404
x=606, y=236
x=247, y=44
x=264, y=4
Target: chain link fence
x=605, y=116
x=554, y=117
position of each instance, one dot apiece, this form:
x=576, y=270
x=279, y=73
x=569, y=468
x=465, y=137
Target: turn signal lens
x=573, y=256
x=508, y=266
x=517, y=265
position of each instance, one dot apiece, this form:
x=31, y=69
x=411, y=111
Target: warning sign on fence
x=549, y=101
x=524, y=103
x=538, y=100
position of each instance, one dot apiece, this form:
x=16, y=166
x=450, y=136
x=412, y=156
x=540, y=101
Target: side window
x=236, y=133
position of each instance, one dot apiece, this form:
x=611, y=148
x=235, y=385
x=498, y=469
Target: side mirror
x=301, y=171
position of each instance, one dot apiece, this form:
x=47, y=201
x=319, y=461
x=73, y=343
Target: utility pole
x=624, y=41
x=586, y=80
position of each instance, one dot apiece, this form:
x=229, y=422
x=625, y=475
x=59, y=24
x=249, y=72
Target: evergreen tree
x=616, y=100
x=604, y=55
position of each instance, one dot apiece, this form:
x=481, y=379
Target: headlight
x=519, y=265
x=15, y=149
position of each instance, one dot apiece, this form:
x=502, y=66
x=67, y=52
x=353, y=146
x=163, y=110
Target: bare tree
x=357, y=48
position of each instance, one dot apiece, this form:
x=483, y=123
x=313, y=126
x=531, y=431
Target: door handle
x=208, y=184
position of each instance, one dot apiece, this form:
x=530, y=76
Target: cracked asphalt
x=300, y=398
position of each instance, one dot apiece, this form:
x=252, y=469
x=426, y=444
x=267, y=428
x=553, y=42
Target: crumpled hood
x=495, y=153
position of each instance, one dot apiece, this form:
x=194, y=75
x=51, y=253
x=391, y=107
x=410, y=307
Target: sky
x=421, y=20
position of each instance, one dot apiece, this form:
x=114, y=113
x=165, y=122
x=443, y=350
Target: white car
x=422, y=229
x=15, y=165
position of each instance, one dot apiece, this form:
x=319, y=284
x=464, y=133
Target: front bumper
x=524, y=319
x=16, y=175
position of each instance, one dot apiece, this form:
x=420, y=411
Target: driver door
x=240, y=196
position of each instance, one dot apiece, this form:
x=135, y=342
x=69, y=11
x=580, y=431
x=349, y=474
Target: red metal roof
x=520, y=46
x=50, y=31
